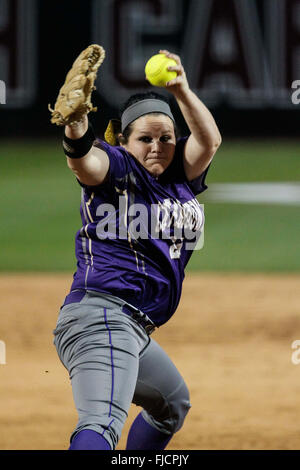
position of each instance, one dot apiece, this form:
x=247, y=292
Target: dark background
x=64, y=29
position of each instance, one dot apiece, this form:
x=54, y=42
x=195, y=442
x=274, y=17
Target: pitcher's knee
x=168, y=413
x=179, y=404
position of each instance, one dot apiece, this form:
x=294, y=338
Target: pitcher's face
x=152, y=142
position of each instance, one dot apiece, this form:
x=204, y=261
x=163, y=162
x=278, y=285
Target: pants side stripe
x=112, y=363
x=107, y=427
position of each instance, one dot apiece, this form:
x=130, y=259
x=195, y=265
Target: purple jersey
x=138, y=232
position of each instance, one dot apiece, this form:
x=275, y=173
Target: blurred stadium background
x=242, y=58
x=235, y=62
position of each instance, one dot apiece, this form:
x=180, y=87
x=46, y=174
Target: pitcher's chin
x=156, y=168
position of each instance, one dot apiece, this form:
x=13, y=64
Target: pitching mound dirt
x=231, y=339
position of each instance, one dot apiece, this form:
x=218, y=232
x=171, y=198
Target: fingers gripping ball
x=157, y=72
x=74, y=98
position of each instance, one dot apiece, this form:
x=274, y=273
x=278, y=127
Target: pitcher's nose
x=156, y=146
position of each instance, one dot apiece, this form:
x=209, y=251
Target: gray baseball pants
x=112, y=362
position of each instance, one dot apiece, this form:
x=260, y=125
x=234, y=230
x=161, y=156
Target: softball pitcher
x=139, y=216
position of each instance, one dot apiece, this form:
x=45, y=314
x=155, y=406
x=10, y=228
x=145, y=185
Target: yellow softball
x=157, y=72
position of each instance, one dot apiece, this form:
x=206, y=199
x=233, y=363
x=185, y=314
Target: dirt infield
x=230, y=338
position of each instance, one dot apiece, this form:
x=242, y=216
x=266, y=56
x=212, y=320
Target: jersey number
x=175, y=248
